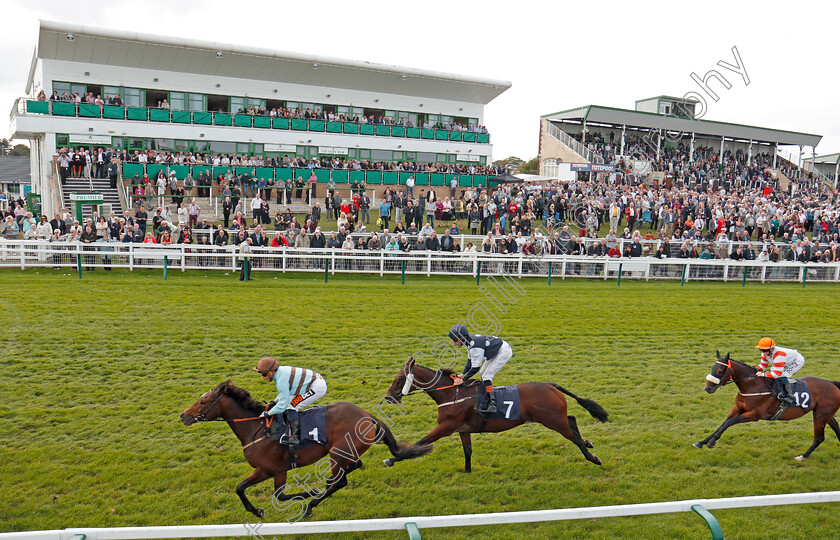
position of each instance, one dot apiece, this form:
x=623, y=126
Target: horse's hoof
x=388, y=462
x=260, y=513
x=595, y=460
x=710, y=445
x=697, y=445
x=307, y=513
x=588, y=444
x=467, y=471
x=800, y=458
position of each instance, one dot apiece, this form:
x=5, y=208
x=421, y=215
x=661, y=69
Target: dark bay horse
x=539, y=402
x=350, y=432
x=756, y=400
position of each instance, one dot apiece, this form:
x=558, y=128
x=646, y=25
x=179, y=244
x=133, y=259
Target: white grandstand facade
x=209, y=88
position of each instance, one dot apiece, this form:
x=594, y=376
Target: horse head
x=720, y=374
x=403, y=382
x=206, y=408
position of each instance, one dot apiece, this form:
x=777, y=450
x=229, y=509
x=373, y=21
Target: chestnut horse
x=539, y=402
x=350, y=432
x=756, y=400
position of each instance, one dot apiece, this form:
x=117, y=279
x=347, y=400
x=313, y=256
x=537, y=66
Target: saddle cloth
x=313, y=426
x=507, y=404
x=798, y=391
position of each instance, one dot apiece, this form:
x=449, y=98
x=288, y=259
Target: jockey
x=785, y=362
x=493, y=351
x=296, y=388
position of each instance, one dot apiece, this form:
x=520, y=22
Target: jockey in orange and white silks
x=781, y=362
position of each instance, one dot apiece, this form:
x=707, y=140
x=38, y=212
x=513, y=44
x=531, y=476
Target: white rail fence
x=113, y=255
x=412, y=525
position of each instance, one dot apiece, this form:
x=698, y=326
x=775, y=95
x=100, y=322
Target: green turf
x=96, y=371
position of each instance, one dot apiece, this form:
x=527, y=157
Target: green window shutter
x=391, y=178
x=397, y=131
x=455, y=135
x=159, y=115
x=421, y=179
x=299, y=124
x=479, y=180
x=137, y=113
x=441, y=135
x=222, y=119
x=483, y=137
x=203, y=118
x=383, y=130
x=130, y=169
x=428, y=133
x=316, y=125
x=323, y=175
x=182, y=117
x=333, y=127
x=412, y=133
x=61, y=108
x=351, y=127
x=242, y=120
x=339, y=176
x=113, y=111
x=37, y=107
x=436, y=179
x=469, y=136
x=280, y=123
x=374, y=177
x=366, y=129
x=89, y=110
x=284, y=173
x=263, y=122
x=357, y=176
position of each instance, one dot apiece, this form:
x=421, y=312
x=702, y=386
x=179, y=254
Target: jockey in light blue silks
x=296, y=388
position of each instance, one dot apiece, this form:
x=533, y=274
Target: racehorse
x=539, y=402
x=756, y=400
x=350, y=432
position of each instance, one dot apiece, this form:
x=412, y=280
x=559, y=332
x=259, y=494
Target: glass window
x=220, y=147
x=342, y=110
x=358, y=111
x=61, y=139
x=310, y=106
x=473, y=121
x=197, y=102
x=412, y=117
x=258, y=148
x=111, y=91
x=380, y=155
x=243, y=148
x=390, y=114
x=78, y=88
x=254, y=102
x=201, y=146
x=426, y=157
x=237, y=104
x=364, y=154
x=134, y=97
x=116, y=142
x=446, y=119
x=402, y=114
x=411, y=156
x=177, y=101
x=165, y=145
x=398, y=156
x=441, y=158
x=292, y=105
x=182, y=146
x=61, y=87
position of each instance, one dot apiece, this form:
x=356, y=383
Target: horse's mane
x=241, y=396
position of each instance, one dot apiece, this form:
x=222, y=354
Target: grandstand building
x=603, y=136
x=181, y=95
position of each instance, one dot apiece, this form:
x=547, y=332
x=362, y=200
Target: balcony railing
x=202, y=118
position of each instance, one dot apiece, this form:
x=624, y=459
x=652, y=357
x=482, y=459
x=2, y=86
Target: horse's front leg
x=254, y=478
x=735, y=417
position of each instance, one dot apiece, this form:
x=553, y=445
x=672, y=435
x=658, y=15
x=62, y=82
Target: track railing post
x=619, y=273
x=478, y=274
x=414, y=532
x=165, y=266
x=711, y=521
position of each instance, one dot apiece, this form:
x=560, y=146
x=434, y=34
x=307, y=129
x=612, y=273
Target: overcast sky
x=558, y=55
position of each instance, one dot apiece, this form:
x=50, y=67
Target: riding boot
x=490, y=407
x=786, y=392
x=292, y=438
x=277, y=429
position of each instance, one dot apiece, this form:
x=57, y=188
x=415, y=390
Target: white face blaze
x=409, y=380
x=712, y=379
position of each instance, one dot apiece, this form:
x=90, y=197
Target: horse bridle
x=409, y=381
x=202, y=417
x=728, y=364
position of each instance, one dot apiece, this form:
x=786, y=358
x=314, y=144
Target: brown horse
x=539, y=402
x=756, y=400
x=350, y=432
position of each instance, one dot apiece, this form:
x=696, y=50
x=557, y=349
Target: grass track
x=96, y=371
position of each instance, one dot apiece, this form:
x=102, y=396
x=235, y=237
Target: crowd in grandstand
x=262, y=110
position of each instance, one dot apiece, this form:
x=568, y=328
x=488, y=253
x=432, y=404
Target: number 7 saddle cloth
x=507, y=403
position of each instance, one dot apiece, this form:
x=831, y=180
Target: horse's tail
x=399, y=451
x=591, y=406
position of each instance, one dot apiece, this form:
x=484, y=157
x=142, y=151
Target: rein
x=202, y=416
x=732, y=379
x=409, y=382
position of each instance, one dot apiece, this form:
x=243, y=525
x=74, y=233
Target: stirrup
x=785, y=399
